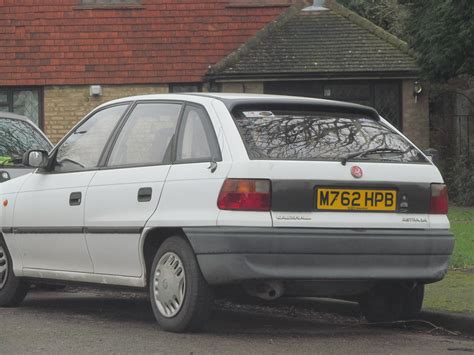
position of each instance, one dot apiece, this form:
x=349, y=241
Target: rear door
x=335, y=169
x=195, y=178
x=123, y=195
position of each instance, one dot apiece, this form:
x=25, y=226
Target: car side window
x=147, y=136
x=83, y=148
x=197, y=140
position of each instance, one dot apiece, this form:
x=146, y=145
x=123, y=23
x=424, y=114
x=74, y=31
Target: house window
x=259, y=3
x=88, y=4
x=23, y=101
x=177, y=88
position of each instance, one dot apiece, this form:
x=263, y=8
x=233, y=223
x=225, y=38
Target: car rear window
x=276, y=133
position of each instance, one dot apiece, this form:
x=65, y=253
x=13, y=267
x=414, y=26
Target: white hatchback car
x=183, y=193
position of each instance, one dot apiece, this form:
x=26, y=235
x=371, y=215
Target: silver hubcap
x=3, y=267
x=169, y=284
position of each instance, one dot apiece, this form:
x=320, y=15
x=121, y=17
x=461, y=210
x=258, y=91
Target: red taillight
x=245, y=195
x=439, y=199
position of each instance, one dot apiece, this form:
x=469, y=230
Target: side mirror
x=432, y=154
x=35, y=158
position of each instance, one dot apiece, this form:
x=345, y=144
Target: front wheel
x=12, y=289
x=179, y=294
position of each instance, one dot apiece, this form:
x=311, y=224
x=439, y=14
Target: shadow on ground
x=300, y=315
x=228, y=316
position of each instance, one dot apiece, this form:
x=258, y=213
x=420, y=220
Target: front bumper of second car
x=232, y=254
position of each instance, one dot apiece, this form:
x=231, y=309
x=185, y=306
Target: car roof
x=14, y=116
x=231, y=100
x=234, y=100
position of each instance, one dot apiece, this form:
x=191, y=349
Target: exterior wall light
x=95, y=90
x=417, y=90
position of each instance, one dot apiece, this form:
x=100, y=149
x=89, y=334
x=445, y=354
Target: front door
x=123, y=195
x=49, y=214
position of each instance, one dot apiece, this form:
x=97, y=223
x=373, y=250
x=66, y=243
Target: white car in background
x=181, y=194
x=18, y=135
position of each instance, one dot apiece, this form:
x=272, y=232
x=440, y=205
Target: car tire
x=412, y=302
x=12, y=289
x=180, y=296
x=382, y=304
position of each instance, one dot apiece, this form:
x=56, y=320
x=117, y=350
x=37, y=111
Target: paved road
x=96, y=321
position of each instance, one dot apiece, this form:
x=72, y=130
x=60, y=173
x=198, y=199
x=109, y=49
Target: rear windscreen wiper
x=370, y=151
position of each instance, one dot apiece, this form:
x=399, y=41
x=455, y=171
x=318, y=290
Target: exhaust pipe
x=267, y=290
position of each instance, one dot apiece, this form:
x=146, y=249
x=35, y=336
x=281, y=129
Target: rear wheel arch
x=180, y=296
x=153, y=240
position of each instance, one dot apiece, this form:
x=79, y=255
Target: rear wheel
x=390, y=302
x=383, y=303
x=12, y=289
x=180, y=296
x=413, y=302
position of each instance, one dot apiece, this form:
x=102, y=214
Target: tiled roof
x=156, y=41
x=328, y=42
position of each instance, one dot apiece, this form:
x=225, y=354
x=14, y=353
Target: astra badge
x=356, y=171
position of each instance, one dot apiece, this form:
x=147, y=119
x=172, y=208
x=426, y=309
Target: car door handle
x=75, y=199
x=144, y=194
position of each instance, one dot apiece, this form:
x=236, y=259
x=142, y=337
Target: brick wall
x=415, y=115
x=58, y=42
x=64, y=106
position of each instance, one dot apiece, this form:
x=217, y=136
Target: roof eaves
x=336, y=75
x=370, y=26
x=235, y=56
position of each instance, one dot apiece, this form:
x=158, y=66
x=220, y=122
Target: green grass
x=455, y=293
x=462, y=225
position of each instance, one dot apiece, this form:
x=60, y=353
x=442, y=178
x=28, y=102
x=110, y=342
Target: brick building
x=52, y=55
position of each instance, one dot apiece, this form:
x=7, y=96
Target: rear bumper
x=231, y=254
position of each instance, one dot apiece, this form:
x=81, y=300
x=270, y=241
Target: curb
x=454, y=322
x=463, y=323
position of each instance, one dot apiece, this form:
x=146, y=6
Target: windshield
x=291, y=134
x=17, y=137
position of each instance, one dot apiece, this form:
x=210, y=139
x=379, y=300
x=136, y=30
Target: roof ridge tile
x=235, y=56
x=369, y=25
